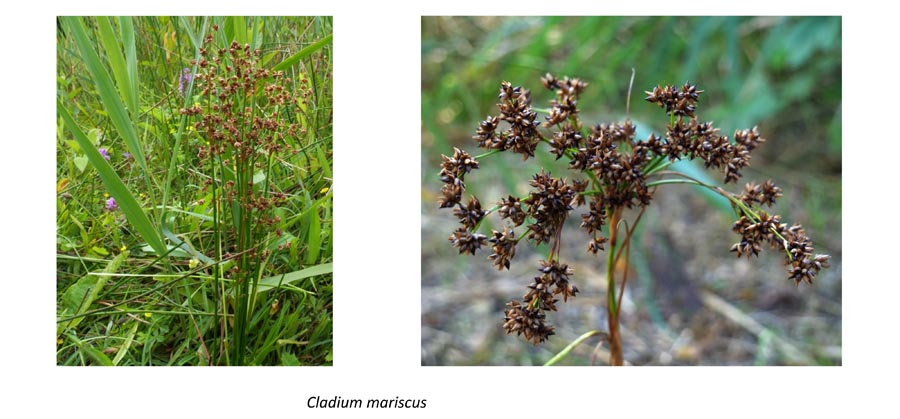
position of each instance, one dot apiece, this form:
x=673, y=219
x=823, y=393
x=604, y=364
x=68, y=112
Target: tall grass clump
x=194, y=200
x=242, y=114
x=616, y=177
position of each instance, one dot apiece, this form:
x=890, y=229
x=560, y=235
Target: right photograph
x=631, y=191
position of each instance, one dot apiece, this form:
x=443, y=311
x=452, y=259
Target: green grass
x=147, y=283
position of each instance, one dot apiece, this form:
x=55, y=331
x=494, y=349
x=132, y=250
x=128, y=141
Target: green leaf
x=130, y=207
x=309, y=208
x=257, y=36
x=124, y=348
x=314, y=238
x=294, y=59
x=266, y=284
x=73, y=145
x=289, y=360
x=326, y=165
x=190, y=32
x=259, y=177
x=80, y=163
x=126, y=28
x=239, y=28
x=171, y=251
x=98, y=357
x=117, y=62
x=95, y=135
x=183, y=245
x=108, y=95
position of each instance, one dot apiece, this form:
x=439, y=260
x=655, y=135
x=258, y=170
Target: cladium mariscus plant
x=242, y=119
x=614, y=173
x=243, y=231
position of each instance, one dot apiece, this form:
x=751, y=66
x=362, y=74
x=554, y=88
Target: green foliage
x=167, y=304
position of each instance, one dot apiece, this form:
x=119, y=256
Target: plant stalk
x=615, y=340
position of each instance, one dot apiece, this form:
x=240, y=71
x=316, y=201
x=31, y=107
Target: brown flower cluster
x=803, y=263
x=679, y=102
x=527, y=317
x=699, y=140
x=522, y=135
x=616, y=168
x=453, y=172
x=240, y=117
x=237, y=121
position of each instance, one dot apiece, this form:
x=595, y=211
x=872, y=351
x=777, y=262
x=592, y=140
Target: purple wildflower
x=104, y=153
x=126, y=155
x=184, y=80
x=111, y=204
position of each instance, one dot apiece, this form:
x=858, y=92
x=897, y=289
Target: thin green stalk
x=489, y=153
x=610, y=267
x=736, y=202
x=170, y=173
x=565, y=352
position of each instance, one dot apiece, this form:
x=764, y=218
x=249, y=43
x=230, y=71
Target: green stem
x=736, y=202
x=610, y=264
x=492, y=152
x=563, y=353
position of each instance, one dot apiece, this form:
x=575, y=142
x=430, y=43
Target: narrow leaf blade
x=314, y=238
x=108, y=95
x=126, y=28
x=266, y=284
x=125, y=200
x=294, y=59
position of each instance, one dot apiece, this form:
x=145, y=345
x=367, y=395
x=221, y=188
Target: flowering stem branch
x=735, y=201
x=482, y=155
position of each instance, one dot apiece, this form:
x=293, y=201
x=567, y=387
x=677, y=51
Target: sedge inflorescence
x=244, y=117
x=617, y=174
x=242, y=120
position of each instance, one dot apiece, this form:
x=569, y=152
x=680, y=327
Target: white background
x=377, y=252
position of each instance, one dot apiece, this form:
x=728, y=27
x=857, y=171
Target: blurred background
x=688, y=300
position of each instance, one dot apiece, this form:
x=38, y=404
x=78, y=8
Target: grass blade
x=126, y=28
x=266, y=284
x=314, y=238
x=99, y=357
x=294, y=59
x=108, y=95
x=123, y=350
x=257, y=36
x=124, y=72
x=130, y=207
x=116, y=61
x=190, y=32
x=239, y=27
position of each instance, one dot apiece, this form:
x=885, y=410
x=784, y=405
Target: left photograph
x=194, y=191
